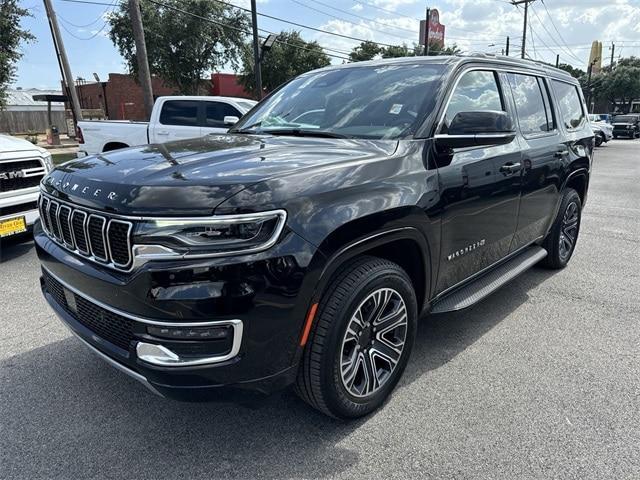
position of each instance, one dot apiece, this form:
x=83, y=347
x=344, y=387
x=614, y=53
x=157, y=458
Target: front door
x=214, y=113
x=178, y=120
x=480, y=188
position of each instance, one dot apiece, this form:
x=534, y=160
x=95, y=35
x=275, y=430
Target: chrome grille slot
x=53, y=218
x=44, y=214
x=96, y=229
x=64, y=217
x=118, y=242
x=78, y=227
x=94, y=236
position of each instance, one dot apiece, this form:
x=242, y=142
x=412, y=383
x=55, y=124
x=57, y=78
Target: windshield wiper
x=298, y=132
x=247, y=129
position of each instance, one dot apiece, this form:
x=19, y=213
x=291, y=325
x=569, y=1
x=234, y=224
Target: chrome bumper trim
x=118, y=366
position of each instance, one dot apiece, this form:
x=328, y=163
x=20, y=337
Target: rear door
x=542, y=153
x=214, y=113
x=480, y=187
x=178, y=119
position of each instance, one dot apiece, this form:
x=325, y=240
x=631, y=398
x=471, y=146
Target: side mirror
x=230, y=119
x=471, y=129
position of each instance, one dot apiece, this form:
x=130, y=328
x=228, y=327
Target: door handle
x=509, y=168
x=162, y=133
x=561, y=153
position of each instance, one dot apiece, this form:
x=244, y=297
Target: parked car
x=22, y=166
x=603, y=132
x=172, y=118
x=626, y=126
x=600, y=117
x=286, y=253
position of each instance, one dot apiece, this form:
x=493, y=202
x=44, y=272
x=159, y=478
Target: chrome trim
x=84, y=230
x=53, y=219
x=118, y=366
x=129, y=249
x=104, y=259
x=133, y=317
x=141, y=253
x=162, y=356
x=60, y=220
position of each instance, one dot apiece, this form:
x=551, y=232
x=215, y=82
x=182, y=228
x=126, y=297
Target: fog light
x=190, y=333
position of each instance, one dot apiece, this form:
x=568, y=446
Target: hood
x=10, y=144
x=194, y=176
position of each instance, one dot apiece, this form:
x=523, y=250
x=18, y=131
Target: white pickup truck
x=22, y=166
x=172, y=118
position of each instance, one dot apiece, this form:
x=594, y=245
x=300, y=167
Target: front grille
x=21, y=208
x=95, y=236
x=20, y=174
x=114, y=328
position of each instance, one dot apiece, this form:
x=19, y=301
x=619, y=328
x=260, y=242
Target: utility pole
x=524, y=28
x=256, y=49
x=63, y=61
x=508, y=41
x=613, y=51
x=144, y=75
x=557, y=60
x=426, y=32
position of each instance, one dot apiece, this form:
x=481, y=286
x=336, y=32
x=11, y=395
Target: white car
x=22, y=166
x=172, y=118
x=602, y=130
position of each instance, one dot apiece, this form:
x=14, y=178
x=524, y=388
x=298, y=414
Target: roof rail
x=516, y=61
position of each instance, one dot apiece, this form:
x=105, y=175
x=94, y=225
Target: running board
x=489, y=282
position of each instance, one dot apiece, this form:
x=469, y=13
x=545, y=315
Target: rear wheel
x=561, y=240
x=599, y=139
x=361, y=339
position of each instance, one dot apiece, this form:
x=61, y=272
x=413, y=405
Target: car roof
x=459, y=60
x=207, y=97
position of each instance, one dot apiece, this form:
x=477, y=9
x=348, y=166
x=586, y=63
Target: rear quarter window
x=572, y=113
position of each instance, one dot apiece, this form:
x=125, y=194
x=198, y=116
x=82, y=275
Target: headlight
x=48, y=162
x=221, y=234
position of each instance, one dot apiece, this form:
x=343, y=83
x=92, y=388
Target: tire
x=561, y=241
x=599, y=140
x=340, y=337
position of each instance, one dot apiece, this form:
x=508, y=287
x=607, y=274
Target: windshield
x=624, y=118
x=378, y=102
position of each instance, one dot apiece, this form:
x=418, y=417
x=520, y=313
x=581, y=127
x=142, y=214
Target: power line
x=566, y=49
x=84, y=39
x=98, y=18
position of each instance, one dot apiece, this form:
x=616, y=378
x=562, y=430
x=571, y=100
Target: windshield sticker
x=395, y=108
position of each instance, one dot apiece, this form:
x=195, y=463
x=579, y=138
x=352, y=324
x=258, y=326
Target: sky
x=564, y=27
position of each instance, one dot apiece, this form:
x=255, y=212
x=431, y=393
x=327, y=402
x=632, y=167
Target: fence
x=16, y=122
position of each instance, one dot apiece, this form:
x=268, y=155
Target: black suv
x=302, y=247
x=626, y=126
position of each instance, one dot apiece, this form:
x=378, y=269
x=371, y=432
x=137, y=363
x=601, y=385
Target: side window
x=551, y=121
x=179, y=112
x=569, y=104
x=530, y=104
x=476, y=91
x=215, y=113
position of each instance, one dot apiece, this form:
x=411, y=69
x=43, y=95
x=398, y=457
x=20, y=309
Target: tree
x=620, y=86
x=288, y=57
x=396, y=51
x=182, y=47
x=365, y=51
x=574, y=72
x=11, y=37
x=418, y=50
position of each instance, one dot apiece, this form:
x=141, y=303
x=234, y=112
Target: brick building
x=227, y=85
x=123, y=96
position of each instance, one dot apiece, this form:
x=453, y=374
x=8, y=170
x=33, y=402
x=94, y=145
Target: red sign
x=436, y=29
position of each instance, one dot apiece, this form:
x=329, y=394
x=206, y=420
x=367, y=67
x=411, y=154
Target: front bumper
x=111, y=312
x=21, y=204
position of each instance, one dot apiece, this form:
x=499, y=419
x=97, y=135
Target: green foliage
x=365, y=51
x=11, y=36
x=574, y=72
x=620, y=86
x=289, y=57
x=181, y=48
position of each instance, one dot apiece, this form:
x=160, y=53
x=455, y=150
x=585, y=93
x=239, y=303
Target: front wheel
x=599, y=140
x=361, y=339
x=561, y=240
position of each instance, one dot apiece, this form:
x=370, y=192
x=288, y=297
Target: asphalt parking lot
x=541, y=380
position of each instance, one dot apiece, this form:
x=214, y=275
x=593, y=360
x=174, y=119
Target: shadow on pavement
x=15, y=247
x=64, y=413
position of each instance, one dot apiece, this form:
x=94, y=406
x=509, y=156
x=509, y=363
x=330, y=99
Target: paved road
x=541, y=380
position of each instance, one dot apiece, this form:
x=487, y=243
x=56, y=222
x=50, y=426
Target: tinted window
x=378, y=101
x=530, y=104
x=216, y=111
x=179, y=112
x=551, y=122
x=476, y=91
x=569, y=104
